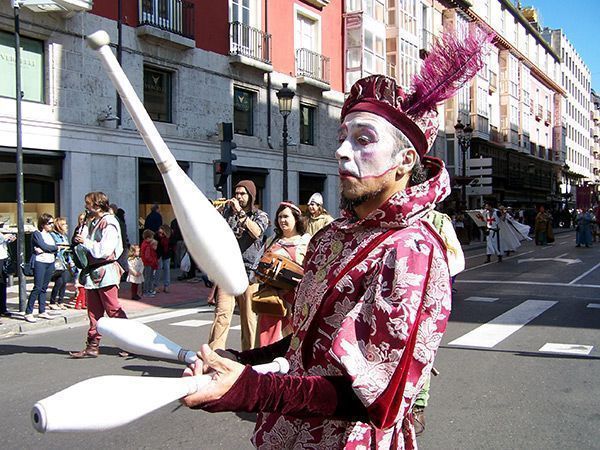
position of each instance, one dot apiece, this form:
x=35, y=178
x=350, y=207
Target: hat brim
x=397, y=118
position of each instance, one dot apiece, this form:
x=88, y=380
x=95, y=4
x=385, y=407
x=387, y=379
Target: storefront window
x=32, y=67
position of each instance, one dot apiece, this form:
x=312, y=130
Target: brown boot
x=91, y=350
x=419, y=419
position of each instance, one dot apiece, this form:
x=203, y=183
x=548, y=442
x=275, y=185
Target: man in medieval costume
x=373, y=305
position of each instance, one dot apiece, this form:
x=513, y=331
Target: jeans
x=164, y=271
x=60, y=284
x=149, y=281
x=42, y=272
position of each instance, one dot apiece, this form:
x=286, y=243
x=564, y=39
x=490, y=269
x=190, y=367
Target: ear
x=406, y=161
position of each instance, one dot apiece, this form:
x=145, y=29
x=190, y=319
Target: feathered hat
x=451, y=63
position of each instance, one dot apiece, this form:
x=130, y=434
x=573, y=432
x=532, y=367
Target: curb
x=20, y=326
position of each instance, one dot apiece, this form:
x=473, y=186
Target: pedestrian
x=177, y=242
x=100, y=240
x=248, y=223
x=63, y=264
x=150, y=260
x=373, y=304
x=80, y=300
x=164, y=251
x=493, y=242
x=43, y=250
x=136, y=271
x=5, y=239
x=583, y=228
x=153, y=219
x=290, y=241
x=120, y=216
x=543, y=226
x=317, y=216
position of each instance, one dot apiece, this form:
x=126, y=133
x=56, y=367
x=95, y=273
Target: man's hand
x=224, y=373
x=38, y=251
x=235, y=205
x=79, y=239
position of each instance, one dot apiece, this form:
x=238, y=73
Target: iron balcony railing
x=247, y=41
x=311, y=64
x=175, y=16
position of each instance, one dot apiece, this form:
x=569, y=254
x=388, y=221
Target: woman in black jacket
x=44, y=250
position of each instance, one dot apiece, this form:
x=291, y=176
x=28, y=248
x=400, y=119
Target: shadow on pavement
x=153, y=371
x=526, y=354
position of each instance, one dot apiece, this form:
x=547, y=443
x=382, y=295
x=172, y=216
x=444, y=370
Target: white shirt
x=3, y=247
x=46, y=257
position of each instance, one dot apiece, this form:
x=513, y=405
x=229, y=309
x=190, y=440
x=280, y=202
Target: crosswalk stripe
x=192, y=323
x=570, y=349
x=594, y=305
x=498, y=329
x=482, y=299
x=172, y=314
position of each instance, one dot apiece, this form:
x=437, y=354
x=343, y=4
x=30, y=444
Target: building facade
x=576, y=81
x=514, y=107
x=194, y=64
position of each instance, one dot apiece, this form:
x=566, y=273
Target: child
x=150, y=260
x=136, y=275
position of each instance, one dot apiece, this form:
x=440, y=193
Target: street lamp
x=35, y=6
x=463, y=135
x=285, y=96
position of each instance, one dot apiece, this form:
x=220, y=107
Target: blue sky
x=579, y=21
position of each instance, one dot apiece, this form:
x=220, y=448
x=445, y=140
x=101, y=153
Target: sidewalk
x=190, y=292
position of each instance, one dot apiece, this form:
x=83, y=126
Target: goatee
x=351, y=203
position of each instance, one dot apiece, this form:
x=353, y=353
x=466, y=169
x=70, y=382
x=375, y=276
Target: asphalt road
x=502, y=384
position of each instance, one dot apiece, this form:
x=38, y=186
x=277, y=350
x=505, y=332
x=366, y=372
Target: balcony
x=249, y=46
x=390, y=70
x=312, y=68
x=493, y=82
x=427, y=40
x=539, y=113
x=170, y=21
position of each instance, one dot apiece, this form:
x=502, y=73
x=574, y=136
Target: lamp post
x=463, y=136
x=285, y=96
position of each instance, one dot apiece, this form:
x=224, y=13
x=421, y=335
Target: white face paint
x=367, y=146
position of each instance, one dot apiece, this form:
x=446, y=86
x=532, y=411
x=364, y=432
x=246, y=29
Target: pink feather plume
x=451, y=63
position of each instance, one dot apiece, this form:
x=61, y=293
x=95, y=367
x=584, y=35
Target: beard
x=349, y=204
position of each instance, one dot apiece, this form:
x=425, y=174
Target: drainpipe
x=269, y=142
x=119, y=56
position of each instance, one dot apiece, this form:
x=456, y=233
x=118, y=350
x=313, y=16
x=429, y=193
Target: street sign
x=477, y=167
x=479, y=190
x=481, y=181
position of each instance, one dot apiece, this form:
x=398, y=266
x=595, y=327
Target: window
x=307, y=124
x=157, y=94
x=308, y=184
x=243, y=109
x=32, y=68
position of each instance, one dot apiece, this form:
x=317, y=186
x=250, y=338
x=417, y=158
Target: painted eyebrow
x=357, y=125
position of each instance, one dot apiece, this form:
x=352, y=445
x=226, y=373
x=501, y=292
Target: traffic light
x=220, y=169
x=227, y=145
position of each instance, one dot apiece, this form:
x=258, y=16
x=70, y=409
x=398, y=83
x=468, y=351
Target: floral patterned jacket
x=359, y=330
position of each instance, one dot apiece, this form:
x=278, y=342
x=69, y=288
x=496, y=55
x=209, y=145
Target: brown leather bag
x=267, y=301
x=278, y=271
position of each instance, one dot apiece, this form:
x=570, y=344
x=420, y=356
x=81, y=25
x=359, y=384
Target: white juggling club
x=123, y=399
x=207, y=236
x=138, y=338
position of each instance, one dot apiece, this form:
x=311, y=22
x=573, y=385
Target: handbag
x=267, y=301
x=28, y=267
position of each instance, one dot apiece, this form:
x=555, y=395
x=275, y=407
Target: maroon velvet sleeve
x=265, y=354
x=309, y=396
